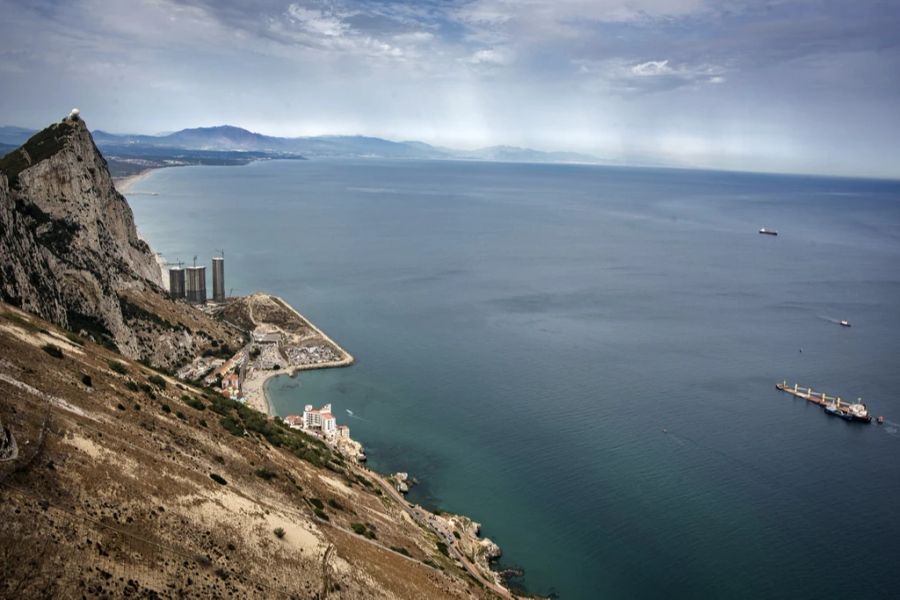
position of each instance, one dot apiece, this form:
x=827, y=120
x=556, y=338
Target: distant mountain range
x=236, y=139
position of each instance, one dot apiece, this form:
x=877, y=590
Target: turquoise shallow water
x=583, y=358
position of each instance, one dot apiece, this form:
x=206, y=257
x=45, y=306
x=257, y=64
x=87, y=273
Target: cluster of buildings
x=319, y=421
x=190, y=282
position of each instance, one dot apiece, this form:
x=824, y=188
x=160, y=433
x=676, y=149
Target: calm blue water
x=526, y=333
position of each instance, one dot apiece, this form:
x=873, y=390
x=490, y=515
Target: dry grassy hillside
x=128, y=483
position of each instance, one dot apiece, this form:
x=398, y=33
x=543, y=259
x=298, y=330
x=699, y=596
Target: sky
x=806, y=86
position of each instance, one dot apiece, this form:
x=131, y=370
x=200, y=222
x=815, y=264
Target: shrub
x=193, y=402
x=132, y=386
x=264, y=473
x=442, y=547
x=120, y=406
x=203, y=423
x=401, y=550
x=157, y=381
x=358, y=528
x=456, y=534
x=86, y=380
x=317, y=503
x=335, y=504
x=53, y=350
x=321, y=514
x=279, y=532
x=232, y=426
x=180, y=415
x=118, y=367
x=218, y=478
x=166, y=408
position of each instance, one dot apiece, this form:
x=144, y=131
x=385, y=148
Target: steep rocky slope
x=70, y=253
x=126, y=483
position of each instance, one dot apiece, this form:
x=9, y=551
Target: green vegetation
x=232, y=426
x=132, y=386
x=456, y=535
x=20, y=321
x=53, y=350
x=264, y=473
x=157, y=381
x=218, y=478
x=118, y=367
x=401, y=550
x=86, y=380
x=366, y=530
x=180, y=415
x=279, y=532
x=74, y=338
x=166, y=408
x=316, y=502
x=321, y=514
x=335, y=504
x=193, y=402
x=442, y=547
x=92, y=326
x=131, y=312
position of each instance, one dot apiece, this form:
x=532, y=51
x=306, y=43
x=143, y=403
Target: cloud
x=652, y=68
x=491, y=56
x=650, y=76
x=318, y=22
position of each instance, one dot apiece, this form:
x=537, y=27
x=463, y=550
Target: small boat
x=765, y=231
x=881, y=420
x=845, y=323
x=836, y=411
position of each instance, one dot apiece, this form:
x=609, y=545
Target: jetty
x=832, y=404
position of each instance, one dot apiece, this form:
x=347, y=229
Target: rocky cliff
x=70, y=253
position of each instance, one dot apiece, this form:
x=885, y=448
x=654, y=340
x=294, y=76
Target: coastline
x=254, y=384
x=124, y=184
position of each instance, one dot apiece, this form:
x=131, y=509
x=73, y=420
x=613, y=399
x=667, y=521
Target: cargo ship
x=834, y=406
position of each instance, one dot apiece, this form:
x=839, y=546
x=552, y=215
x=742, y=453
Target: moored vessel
x=765, y=231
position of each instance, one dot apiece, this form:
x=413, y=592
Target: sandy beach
x=124, y=183
x=254, y=384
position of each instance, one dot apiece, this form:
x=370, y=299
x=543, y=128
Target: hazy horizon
x=789, y=86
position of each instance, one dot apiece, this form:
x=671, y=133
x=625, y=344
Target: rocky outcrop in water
x=70, y=252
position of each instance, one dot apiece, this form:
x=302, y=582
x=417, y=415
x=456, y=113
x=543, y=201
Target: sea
x=583, y=359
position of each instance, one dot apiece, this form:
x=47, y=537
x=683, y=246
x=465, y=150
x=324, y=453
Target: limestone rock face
x=70, y=252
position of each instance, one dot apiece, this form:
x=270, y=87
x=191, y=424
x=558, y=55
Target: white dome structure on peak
x=74, y=114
